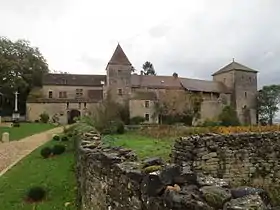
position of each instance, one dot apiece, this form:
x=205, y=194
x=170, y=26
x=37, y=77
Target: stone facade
x=237, y=158
x=234, y=85
x=112, y=178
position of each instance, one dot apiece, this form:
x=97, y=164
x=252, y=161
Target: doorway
x=72, y=115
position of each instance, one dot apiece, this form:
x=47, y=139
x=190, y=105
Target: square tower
x=242, y=81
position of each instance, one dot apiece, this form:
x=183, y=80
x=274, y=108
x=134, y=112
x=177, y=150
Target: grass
x=145, y=147
x=25, y=129
x=55, y=174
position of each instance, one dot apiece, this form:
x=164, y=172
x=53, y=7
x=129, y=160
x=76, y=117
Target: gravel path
x=14, y=151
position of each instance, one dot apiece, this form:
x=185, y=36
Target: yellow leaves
x=246, y=129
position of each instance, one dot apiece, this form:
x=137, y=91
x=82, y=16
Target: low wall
x=112, y=179
x=237, y=158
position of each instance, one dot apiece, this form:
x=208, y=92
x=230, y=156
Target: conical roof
x=119, y=57
x=234, y=66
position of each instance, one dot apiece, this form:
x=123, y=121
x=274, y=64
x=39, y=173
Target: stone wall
x=111, y=178
x=237, y=158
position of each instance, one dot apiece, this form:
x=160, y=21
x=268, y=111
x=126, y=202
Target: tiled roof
x=234, y=66
x=74, y=79
x=155, y=81
x=119, y=57
x=203, y=85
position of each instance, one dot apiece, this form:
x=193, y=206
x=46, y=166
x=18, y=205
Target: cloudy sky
x=191, y=37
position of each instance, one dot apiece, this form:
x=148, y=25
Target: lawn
x=145, y=147
x=25, y=129
x=55, y=174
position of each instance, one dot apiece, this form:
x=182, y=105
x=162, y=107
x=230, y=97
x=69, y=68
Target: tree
x=21, y=68
x=268, y=101
x=228, y=117
x=148, y=68
x=178, y=106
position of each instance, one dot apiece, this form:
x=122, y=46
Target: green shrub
x=56, y=138
x=228, y=117
x=16, y=124
x=46, y=152
x=137, y=120
x=210, y=123
x=44, y=117
x=120, y=128
x=64, y=138
x=58, y=149
x=36, y=194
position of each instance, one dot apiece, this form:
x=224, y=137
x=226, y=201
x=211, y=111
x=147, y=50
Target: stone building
x=69, y=95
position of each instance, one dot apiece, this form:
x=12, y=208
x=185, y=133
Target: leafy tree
x=148, y=68
x=268, y=101
x=21, y=69
x=228, y=117
x=178, y=106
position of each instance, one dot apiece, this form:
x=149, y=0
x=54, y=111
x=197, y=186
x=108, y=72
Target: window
x=50, y=94
x=147, y=104
x=85, y=105
x=250, y=79
x=62, y=94
x=120, y=91
x=67, y=105
x=79, y=93
x=245, y=94
x=224, y=80
x=147, y=117
x=79, y=105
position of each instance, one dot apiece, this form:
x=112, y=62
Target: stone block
x=5, y=137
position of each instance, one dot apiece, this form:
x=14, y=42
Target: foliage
x=177, y=106
x=151, y=169
x=108, y=115
x=137, y=120
x=21, y=69
x=56, y=138
x=16, y=124
x=228, y=117
x=120, y=127
x=268, y=102
x=65, y=138
x=58, y=149
x=46, y=152
x=44, y=117
x=148, y=68
x=36, y=194
x=210, y=123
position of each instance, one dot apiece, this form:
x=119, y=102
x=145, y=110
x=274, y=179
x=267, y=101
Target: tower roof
x=234, y=66
x=119, y=57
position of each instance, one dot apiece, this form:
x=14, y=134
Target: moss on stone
x=151, y=169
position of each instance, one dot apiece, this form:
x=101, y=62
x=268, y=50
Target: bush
x=36, y=194
x=46, y=152
x=56, y=138
x=44, y=117
x=16, y=124
x=64, y=138
x=228, y=117
x=120, y=128
x=210, y=123
x=58, y=149
x=137, y=120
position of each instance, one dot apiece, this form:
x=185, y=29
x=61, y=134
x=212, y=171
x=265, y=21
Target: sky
x=191, y=37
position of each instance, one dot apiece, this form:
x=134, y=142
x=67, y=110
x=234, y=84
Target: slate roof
x=204, y=85
x=119, y=57
x=73, y=79
x=152, y=81
x=144, y=95
x=234, y=66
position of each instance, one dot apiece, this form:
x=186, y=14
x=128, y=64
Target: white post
x=16, y=101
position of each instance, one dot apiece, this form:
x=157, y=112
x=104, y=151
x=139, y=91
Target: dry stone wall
x=111, y=178
x=237, y=158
